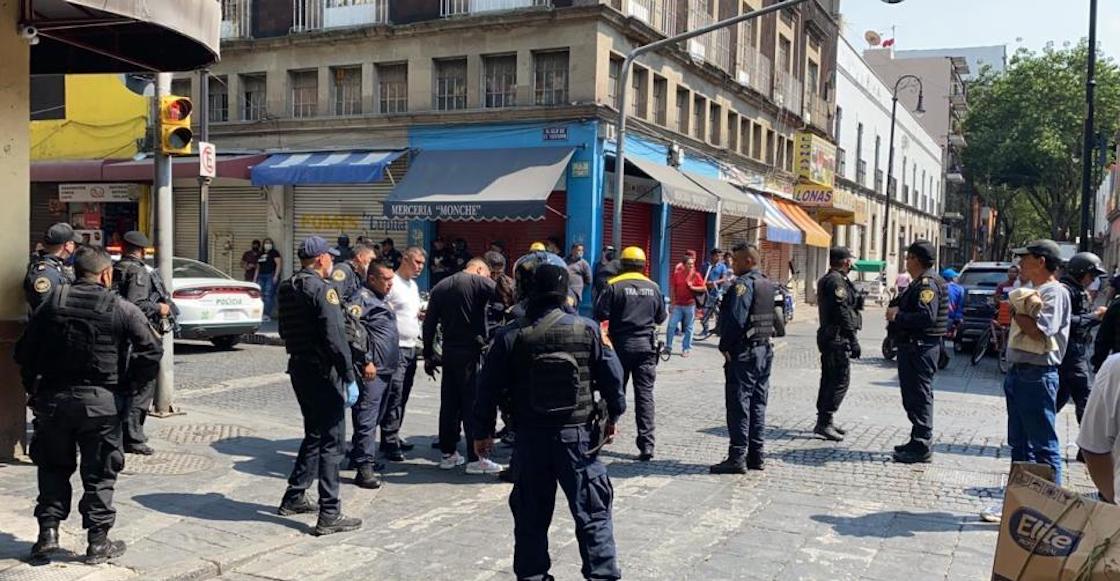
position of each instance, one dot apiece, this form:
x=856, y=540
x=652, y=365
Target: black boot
x=842, y=431
x=828, y=432
x=367, y=477
x=296, y=505
x=100, y=548
x=729, y=466
x=328, y=525
x=916, y=454
x=47, y=543
x=755, y=461
x=904, y=447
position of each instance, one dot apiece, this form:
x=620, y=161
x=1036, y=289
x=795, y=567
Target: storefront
x=740, y=213
x=238, y=214
x=810, y=259
x=778, y=236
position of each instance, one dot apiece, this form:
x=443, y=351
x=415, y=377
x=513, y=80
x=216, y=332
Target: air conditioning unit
x=608, y=131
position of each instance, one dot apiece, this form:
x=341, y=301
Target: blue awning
x=779, y=228
x=338, y=167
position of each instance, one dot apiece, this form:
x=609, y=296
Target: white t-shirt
x=1100, y=428
x=404, y=299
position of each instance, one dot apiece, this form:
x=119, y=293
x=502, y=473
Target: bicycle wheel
x=981, y=346
x=1004, y=364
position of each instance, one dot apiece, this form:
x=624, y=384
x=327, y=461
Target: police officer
x=322, y=374
x=1073, y=374
x=919, y=322
x=76, y=398
x=549, y=363
x=142, y=286
x=47, y=270
x=746, y=324
x=349, y=275
x=376, y=361
x=839, y=306
x=1108, y=336
x=633, y=306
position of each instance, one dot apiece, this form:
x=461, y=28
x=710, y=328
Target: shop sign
x=98, y=192
x=815, y=159
x=581, y=169
x=555, y=134
x=445, y=211
x=814, y=196
x=351, y=222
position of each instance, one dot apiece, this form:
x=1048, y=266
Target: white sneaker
x=484, y=466
x=992, y=514
x=450, y=461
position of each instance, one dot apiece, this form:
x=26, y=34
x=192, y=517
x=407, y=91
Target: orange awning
x=814, y=234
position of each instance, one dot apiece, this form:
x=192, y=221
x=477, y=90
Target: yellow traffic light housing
x=175, y=125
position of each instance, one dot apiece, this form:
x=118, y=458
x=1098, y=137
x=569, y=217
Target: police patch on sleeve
x=841, y=293
x=42, y=284
x=355, y=310
x=332, y=296
x=740, y=289
x=926, y=296
x=338, y=275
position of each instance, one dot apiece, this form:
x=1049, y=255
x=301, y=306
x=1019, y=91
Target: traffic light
x=175, y=125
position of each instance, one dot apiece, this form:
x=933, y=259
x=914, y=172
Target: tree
x=1024, y=134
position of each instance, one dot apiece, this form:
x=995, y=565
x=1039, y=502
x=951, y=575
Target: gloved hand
x=351, y=394
x=431, y=365
x=853, y=349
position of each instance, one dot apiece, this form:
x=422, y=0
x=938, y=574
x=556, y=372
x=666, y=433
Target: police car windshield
x=983, y=278
x=187, y=268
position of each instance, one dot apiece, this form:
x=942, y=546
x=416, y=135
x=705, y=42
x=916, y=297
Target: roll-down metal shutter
x=185, y=221
x=688, y=230
x=637, y=227
x=237, y=216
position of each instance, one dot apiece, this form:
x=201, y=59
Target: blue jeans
x=268, y=293
x=680, y=314
x=1032, y=392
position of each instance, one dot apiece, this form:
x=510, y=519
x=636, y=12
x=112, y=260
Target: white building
x=863, y=125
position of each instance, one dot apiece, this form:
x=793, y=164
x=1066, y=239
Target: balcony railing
x=308, y=15
x=661, y=15
x=713, y=48
x=818, y=112
x=841, y=162
x=787, y=91
x=752, y=69
x=878, y=181
x=235, y=19
x=467, y=7
x=861, y=172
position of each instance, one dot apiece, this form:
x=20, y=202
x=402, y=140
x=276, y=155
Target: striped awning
x=814, y=234
x=324, y=168
x=778, y=227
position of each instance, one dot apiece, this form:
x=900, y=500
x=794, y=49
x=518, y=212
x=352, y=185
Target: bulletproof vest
x=762, y=307
x=298, y=319
x=1079, y=303
x=83, y=330
x=554, y=364
x=941, y=324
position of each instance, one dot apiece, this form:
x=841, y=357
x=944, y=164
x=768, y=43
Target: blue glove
x=351, y=393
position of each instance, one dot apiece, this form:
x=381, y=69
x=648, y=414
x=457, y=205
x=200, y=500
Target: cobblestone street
x=204, y=505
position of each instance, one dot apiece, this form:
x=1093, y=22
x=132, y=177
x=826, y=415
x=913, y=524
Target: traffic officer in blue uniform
x=1073, y=375
x=313, y=328
x=47, y=270
x=633, y=306
x=839, y=306
x=550, y=363
x=349, y=275
x=919, y=322
x=746, y=324
x=375, y=360
x=71, y=357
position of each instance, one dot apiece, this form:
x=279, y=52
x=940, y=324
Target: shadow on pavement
x=266, y=457
x=904, y=524
x=625, y=465
x=216, y=507
x=822, y=456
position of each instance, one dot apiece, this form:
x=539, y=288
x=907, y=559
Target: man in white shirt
x=1100, y=428
x=404, y=299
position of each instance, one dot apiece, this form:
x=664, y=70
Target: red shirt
x=679, y=285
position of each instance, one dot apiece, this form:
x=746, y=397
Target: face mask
x=267, y=247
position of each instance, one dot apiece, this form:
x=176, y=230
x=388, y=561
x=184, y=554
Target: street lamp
x=918, y=111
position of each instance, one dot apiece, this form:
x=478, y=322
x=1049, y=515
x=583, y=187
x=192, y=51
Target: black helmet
x=550, y=281
x=1083, y=263
x=524, y=270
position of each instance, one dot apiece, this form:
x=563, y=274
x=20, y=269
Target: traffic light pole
x=165, y=389
x=203, y=181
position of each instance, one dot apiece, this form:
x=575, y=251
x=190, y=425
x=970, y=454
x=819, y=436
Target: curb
x=198, y=568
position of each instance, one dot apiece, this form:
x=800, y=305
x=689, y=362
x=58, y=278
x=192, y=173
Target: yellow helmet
x=536, y=247
x=633, y=253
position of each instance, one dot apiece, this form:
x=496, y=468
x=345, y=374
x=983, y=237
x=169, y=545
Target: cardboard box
x=1049, y=533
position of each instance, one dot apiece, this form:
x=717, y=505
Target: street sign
x=207, y=160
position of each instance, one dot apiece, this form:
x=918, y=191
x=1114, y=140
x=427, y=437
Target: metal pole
x=204, y=182
x=1087, y=154
x=166, y=387
x=623, y=86
x=890, y=175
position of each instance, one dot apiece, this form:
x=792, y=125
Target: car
x=979, y=280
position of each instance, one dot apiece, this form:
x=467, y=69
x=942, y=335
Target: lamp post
x=1087, y=156
x=919, y=110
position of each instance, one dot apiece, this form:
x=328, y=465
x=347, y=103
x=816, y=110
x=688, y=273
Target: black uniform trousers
x=835, y=378
x=1073, y=380
x=319, y=394
x=399, y=390
x=747, y=386
x=136, y=413
x=641, y=367
x=366, y=415
x=543, y=458
x=458, y=391
x=70, y=422
x=917, y=362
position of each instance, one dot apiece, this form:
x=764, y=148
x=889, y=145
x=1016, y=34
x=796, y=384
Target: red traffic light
x=176, y=109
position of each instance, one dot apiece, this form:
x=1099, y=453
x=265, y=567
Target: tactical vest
x=298, y=319
x=83, y=329
x=941, y=324
x=762, y=308
x=554, y=363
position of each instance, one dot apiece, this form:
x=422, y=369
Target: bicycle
x=995, y=337
x=709, y=320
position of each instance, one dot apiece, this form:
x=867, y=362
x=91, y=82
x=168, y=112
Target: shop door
x=688, y=230
x=775, y=260
x=637, y=228
x=516, y=236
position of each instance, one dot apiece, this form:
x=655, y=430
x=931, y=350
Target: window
x=789, y=155
x=683, y=99
x=756, y=141
x=841, y=162
x=499, y=79
x=305, y=93
x=638, y=106
x=660, y=102
x=836, y=120
x=874, y=233
x=785, y=54
x=550, y=77
x=218, y=100
x=613, y=72
x=770, y=143
x=699, y=109
x=715, y=117
x=787, y=17
x=861, y=167
x=812, y=77
x=450, y=84
x=392, y=88
x=347, y=90
x=745, y=137
x=732, y=131
x=181, y=88
x=253, y=98
x=878, y=170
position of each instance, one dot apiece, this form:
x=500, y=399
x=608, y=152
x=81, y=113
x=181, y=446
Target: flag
x=888, y=42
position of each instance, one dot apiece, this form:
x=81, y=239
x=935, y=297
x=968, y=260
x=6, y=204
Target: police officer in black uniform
x=550, y=362
x=349, y=275
x=919, y=322
x=746, y=324
x=76, y=398
x=1108, y=336
x=839, y=305
x=1073, y=375
x=47, y=270
x=376, y=361
x=142, y=286
x=321, y=369
x=633, y=306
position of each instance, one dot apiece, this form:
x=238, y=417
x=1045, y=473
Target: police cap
x=923, y=250
x=838, y=253
x=314, y=246
x=60, y=233
x=137, y=239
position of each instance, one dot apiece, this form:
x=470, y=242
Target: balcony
x=787, y=92
x=310, y=15
x=841, y=162
x=752, y=69
x=861, y=172
x=818, y=113
x=470, y=7
x=713, y=48
x=661, y=15
x=235, y=19
x=878, y=181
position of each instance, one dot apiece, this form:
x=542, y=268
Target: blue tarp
x=336, y=167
